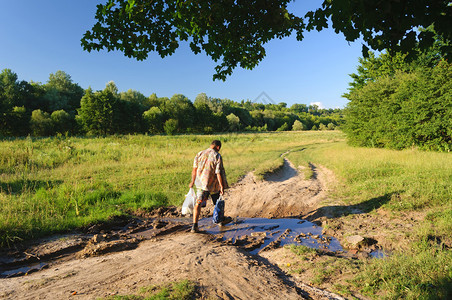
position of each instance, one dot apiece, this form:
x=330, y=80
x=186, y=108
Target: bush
x=298, y=126
x=208, y=130
x=233, y=122
x=153, y=119
x=284, y=127
x=170, y=126
x=62, y=121
x=17, y=122
x=40, y=123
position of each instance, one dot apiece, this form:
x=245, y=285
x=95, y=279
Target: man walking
x=209, y=177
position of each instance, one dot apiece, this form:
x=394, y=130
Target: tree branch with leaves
x=234, y=32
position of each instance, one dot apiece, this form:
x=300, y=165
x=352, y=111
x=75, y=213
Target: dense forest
x=401, y=102
x=61, y=106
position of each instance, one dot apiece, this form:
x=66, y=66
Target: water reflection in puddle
x=378, y=254
x=282, y=231
x=23, y=270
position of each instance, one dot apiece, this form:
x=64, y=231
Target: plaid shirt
x=209, y=163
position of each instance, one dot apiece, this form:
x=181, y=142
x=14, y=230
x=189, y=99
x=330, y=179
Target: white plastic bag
x=189, y=203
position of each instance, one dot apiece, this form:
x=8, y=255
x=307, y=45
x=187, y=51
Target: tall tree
x=10, y=97
x=299, y=108
x=181, y=109
x=96, y=113
x=203, y=117
x=400, y=107
x=136, y=97
x=373, y=67
x=62, y=93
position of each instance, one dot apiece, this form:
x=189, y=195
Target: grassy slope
x=55, y=184
x=402, y=183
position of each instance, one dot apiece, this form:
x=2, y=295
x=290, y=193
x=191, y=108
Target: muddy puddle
x=378, y=253
x=18, y=262
x=24, y=270
x=252, y=234
x=260, y=234
x=271, y=233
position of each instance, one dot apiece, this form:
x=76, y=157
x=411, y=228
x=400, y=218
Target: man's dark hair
x=216, y=143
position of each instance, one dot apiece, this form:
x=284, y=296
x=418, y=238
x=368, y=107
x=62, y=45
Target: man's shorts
x=202, y=196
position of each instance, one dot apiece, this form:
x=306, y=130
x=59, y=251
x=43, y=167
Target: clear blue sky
x=42, y=37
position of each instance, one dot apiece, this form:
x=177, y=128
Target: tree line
x=397, y=103
x=61, y=106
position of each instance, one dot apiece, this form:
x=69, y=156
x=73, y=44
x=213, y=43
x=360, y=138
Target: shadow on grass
x=365, y=207
x=22, y=186
x=443, y=288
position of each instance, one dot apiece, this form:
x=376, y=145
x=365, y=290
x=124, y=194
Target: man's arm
x=193, y=177
x=220, y=181
x=218, y=173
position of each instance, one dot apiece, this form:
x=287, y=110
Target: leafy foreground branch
x=235, y=32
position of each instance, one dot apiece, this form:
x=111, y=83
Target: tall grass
x=57, y=184
x=423, y=273
x=419, y=179
x=402, y=183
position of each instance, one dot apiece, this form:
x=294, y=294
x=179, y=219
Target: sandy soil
x=112, y=264
x=220, y=271
x=283, y=194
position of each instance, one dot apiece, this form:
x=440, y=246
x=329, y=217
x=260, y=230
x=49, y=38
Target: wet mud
x=266, y=234
x=99, y=239
x=255, y=235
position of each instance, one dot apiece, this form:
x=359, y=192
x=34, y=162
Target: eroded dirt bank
x=103, y=263
x=283, y=194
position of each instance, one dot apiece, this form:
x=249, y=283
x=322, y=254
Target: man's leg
x=196, y=213
x=201, y=199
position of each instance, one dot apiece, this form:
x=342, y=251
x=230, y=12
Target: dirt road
x=284, y=193
x=220, y=271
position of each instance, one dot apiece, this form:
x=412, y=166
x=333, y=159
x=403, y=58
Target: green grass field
x=58, y=184
x=401, y=183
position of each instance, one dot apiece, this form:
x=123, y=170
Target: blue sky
x=42, y=37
